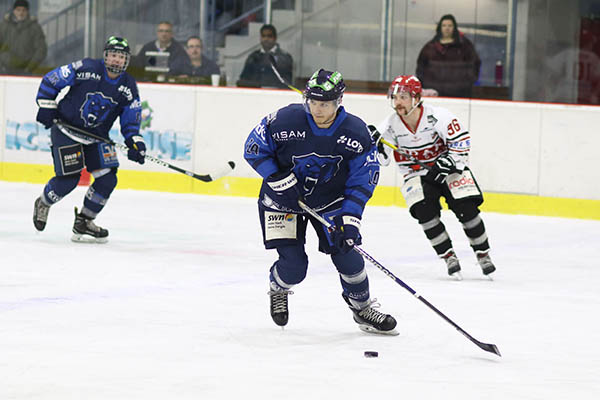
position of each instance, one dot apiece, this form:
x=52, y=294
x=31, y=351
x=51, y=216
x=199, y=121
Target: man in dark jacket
x=164, y=43
x=22, y=42
x=199, y=65
x=448, y=63
x=257, y=70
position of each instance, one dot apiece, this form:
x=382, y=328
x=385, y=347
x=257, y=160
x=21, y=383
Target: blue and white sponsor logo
x=87, y=75
x=351, y=144
x=461, y=145
x=126, y=92
x=65, y=71
x=284, y=136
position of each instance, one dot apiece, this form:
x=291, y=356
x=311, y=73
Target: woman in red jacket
x=448, y=63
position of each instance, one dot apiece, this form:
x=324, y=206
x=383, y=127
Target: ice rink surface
x=175, y=306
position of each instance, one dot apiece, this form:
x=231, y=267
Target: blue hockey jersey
x=337, y=164
x=94, y=101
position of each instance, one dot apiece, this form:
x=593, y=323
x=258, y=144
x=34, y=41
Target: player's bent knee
x=349, y=263
x=66, y=183
x=424, y=211
x=105, y=180
x=465, y=210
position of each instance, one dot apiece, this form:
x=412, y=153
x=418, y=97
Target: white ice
x=175, y=306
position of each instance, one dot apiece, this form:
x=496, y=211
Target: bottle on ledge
x=499, y=73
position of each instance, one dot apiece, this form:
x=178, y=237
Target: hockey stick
x=203, y=178
x=278, y=75
x=492, y=348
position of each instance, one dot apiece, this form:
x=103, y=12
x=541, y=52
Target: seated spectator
x=22, y=41
x=448, y=63
x=176, y=60
x=257, y=70
x=199, y=65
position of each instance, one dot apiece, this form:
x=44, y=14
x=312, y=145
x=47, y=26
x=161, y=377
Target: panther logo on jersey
x=96, y=108
x=316, y=169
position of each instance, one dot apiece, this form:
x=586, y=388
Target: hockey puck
x=371, y=354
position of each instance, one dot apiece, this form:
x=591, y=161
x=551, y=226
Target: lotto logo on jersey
x=126, y=91
x=351, y=144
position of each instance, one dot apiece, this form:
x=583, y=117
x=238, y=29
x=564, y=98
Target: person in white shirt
x=433, y=157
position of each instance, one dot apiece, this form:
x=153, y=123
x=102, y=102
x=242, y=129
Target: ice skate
x=453, y=265
x=486, y=264
x=279, y=306
x=85, y=230
x=372, y=321
x=40, y=214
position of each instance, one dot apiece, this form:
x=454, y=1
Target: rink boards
x=529, y=158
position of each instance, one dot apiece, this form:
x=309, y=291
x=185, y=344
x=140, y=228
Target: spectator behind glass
x=257, y=70
x=164, y=44
x=22, y=42
x=199, y=65
x=448, y=63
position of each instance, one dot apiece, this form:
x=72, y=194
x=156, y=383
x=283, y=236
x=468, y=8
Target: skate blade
x=79, y=238
x=370, y=329
x=457, y=275
x=490, y=276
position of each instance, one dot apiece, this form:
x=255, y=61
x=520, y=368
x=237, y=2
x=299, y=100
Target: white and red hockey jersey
x=438, y=131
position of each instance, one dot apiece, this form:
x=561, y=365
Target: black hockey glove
x=346, y=233
x=444, y=165
x=47, y=113
x=284, y=189
x=137, y=149
x=376, y=137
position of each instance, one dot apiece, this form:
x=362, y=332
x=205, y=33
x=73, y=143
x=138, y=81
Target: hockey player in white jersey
x=433, y=158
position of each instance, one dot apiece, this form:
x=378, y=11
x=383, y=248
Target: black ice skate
x=372, y=321
x=453, y=265
x=85, y=230
x=486, y=264
x=279, y=306
x=40, y=214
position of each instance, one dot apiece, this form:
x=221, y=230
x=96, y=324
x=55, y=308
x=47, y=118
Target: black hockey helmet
x=119, y=45
x=325, y=85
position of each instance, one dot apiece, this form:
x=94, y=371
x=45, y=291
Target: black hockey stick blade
x=491, y=348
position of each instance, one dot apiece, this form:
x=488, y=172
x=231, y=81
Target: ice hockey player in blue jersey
x=99, y=91
x=317, y=152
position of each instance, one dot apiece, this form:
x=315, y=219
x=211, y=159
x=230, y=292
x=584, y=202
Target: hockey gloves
x=137, y=149
x=47, y=113
x=346, y=233
x=284, y=189
x=444, y=165
x=376, y=138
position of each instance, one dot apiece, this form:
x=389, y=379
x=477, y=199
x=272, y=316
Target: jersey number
x=453, y=127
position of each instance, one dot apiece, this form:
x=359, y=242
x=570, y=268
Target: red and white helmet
x=405, y=83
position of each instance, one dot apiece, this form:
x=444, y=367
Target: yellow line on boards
x=249, y=187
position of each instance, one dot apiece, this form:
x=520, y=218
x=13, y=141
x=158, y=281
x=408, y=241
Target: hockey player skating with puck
x=100, y=91
x=320, y=153
x=433, y=136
